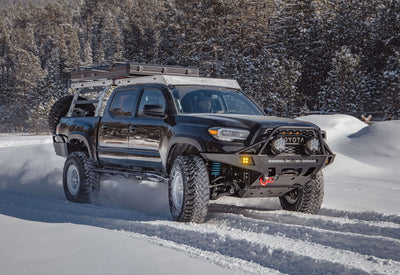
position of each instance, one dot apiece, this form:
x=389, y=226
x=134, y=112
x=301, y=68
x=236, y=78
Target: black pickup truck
x=202, y=136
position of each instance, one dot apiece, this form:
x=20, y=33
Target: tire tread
x=196, y=189
x=90, y=181
x=309, y=198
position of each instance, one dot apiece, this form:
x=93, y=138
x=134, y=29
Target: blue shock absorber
x=216, y=169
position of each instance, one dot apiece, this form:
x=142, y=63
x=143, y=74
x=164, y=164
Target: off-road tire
x=61, y=108
x=307, y=199
x=80, y=183
x=195, y=191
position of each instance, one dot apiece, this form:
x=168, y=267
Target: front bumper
x=280, y=173
x=284, y=172
x=281, y=164
x=262, y=161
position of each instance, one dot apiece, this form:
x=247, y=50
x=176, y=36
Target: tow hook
x=265, y=181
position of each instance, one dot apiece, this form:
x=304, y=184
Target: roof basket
x=124, y=70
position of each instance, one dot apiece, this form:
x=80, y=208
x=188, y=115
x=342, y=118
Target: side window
x=123, y=103
x=151, y=96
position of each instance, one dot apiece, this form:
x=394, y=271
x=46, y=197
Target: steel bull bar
x=284, y=170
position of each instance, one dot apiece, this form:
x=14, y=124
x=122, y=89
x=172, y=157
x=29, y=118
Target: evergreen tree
x=280, y=91
x=386, y=42
x=315, y=54
x=300, y=33
x=345, y=86
x=391, y=77
x=70, y=55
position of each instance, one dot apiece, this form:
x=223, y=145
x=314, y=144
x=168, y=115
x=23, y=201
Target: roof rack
x=97, y=83
x=101, y=75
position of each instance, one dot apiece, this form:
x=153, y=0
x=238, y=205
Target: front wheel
x=188, y=189
x=307, y=199
x=79, y=181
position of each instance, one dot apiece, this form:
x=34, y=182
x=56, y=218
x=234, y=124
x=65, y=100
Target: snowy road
x=240, y=239
x=131, y=232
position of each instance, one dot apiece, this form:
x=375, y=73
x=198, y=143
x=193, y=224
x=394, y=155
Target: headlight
x=228, y=134
x=278, y=145
x=313, y=145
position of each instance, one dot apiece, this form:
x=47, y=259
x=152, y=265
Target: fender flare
x=191, y=140
x=86, y=140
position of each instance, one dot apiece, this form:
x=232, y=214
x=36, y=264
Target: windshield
x=197, y=99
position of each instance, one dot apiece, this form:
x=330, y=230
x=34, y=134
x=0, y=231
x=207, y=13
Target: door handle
x=133, y=127
x=104, y=126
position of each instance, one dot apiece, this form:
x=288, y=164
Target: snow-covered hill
x=129, y=230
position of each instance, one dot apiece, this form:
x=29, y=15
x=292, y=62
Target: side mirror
x=268, y=111
x=153, y=110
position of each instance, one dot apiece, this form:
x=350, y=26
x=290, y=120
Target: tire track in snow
x=365, y=216
x=382, y=247
x=342, y=224
x=267, y=251
x=293, y=256
x=217, y=258
x=271, y=245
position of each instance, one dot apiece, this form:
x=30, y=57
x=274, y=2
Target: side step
x=140, y=175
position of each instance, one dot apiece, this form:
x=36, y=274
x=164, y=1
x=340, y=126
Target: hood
x=244, y=121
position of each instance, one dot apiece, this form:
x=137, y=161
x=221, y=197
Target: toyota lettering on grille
x=294, y=139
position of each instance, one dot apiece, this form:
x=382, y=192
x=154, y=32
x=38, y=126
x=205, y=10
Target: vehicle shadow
x=238, y=210
x=55, y=210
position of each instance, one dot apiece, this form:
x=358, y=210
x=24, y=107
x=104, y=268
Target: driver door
x=148, y=131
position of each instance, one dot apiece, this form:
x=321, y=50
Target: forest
x=291, y=56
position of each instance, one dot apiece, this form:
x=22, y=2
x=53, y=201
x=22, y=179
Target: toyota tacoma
x=204, y=137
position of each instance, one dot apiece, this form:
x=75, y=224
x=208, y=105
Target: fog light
x=313, y=145
x=279, y=145
x=247, y=161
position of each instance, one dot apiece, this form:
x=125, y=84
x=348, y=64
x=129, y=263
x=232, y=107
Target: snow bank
x=365, y=174
x=375, y=145
x=337, y=126
x=378, y=141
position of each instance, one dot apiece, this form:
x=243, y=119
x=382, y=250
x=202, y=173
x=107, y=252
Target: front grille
x=304, y=133
x=297, y=148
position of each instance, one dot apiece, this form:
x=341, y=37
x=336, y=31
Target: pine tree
x=281, y=75
x=112, y=39
x=300, y=32
x=71, y=45
x=345, y=86
x=386, y=48
x=391, y=78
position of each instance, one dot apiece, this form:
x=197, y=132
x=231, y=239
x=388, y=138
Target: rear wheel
x=188, y=189
x=79, y=181
x=307, y=199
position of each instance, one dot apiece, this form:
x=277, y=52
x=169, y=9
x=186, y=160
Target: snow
x=365, y=175
x=64, y=249
x=129, y=230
